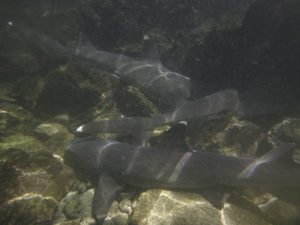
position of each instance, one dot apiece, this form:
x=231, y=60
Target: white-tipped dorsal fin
x=150, y=49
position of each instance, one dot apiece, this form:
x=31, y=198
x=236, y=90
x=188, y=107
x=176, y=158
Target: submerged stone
x=281, y=212
x=13, y=118
x=5, y=90
x=28, y=209
x=56, y=136
x=72, y=205
x=225, y=134
x=34, y=172
x=23, y=142
x=48, y=129
x=162, y=207
x=132, y=102
x=75, y=208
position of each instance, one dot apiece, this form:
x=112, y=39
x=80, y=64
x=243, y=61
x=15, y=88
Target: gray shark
x=118, y=164
x=227, y=100
x=147, y=73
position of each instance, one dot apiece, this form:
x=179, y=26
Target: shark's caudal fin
x=274, y=155
x=226, y=100
x=106, y=60
x=44, y=42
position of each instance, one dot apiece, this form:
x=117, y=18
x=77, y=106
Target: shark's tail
x=44, y=42
x=271, y=156
x=275, y=168
x=226, y=100
x=106, y=60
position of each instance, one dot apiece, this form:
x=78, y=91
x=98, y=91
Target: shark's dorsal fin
x=282, y=152
x=84, y=45
x=150, y=50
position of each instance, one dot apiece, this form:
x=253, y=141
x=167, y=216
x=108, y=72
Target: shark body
x=117, y=164
x=227, y=100
x=147, y=73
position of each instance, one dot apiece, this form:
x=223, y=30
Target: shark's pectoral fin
x=283, y=152
x=105, y=193
x=216, y=198
x=241, y=201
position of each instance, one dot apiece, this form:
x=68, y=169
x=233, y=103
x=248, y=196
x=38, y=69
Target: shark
x=222, y=101
x=147, y=72
x=116, y=165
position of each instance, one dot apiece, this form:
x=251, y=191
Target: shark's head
x=86, y=154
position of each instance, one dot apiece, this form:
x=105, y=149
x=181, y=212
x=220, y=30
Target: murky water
x=149, y=113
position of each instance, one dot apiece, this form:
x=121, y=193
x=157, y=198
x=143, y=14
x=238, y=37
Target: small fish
x=117, y=164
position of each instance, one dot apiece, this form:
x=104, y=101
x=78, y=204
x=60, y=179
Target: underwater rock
x=175, y=18
x=14, y=118
x=58, y=143
x=7, y=121
x=57, y=92
x=35, y=172
x=72, y=206
x=62, y=119
x=118, y=213
x=71, y=222
x=86, y=199
x=288, y=130
x=5, y=92
x=241, y=138
x=62, y=93
x=56, y=137
x=28, y=209
x=131, y=102
x=155, y=207
x=225, y=134
x=21, y=57
x=27, y=91
x=259, y=59
x=48, y=130
x=281, y=212
x=76, y=207
x=18, y=59
x=22, y=142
